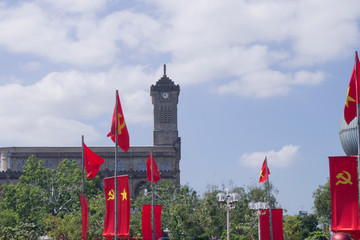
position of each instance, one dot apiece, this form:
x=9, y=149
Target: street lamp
x=259, y=208
x=228, y=200
x=167, y=231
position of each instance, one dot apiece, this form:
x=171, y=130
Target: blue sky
x=258, y=78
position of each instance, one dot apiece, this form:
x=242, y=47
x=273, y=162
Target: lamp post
x=258, y=207
x=228, y=201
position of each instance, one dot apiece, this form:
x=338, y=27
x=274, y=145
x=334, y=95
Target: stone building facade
x=166, y=148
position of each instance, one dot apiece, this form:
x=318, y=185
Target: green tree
x=43, y=197
x=291, y=227
x=322, y=205
x=180, y=210
x=318, y=235
x=300, y=227
x=189, y=216
x=212, y=216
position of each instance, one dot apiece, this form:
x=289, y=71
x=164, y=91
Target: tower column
x=3, y=162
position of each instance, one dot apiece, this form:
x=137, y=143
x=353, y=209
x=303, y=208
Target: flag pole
x=152, y=196
x=83, y=178
x=357, y=114
x=115, y=169
x=268, y=193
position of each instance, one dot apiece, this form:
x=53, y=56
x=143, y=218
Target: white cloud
x=268, y=83
x=315, y=31
x=79, y=39
x=76, y=5
x=31, y=66
x=67, y=104
x=324, y=30
x=25, y=130
x=283, y=158
x=255, y=40
x=308, y=78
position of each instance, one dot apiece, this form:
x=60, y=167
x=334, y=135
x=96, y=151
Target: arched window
x=164, y=166
x=142, y=166
x=120, y=166
x=48, y=164
x=21, y=165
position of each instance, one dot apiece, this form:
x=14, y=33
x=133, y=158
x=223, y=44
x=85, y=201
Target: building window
x=142, y=166
x=48, y=164
x=120, y=166
x=164, y=167
x=165, y=115
x=21, y=165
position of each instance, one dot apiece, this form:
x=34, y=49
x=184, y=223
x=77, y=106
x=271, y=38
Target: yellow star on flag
x=124, y=195
x=348, y=98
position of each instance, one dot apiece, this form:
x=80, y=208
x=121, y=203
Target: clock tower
x=165, y=95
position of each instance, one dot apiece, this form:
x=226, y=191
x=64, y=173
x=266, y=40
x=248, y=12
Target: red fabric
x=263, y=173
x=92, y=162
x=156, y=176
x=352, y=96
x=119, y=126
x=157, y=215
x=84, y=215
x=277, y=225
x=344, y=194
x=123, y=207
x=146, y=222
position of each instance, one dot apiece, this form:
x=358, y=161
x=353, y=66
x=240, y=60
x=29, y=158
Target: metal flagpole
x=268, y=192
x=357, y=115
x=83, y=177
x=152, y=197
x=116, y=159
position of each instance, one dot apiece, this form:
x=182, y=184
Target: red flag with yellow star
x=118, y=126
x=92, y=162
x=263, y=173
x=123, y=207
x=352, y=97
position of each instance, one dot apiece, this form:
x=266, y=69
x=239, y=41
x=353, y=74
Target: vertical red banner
x=146, y=222
x=123, y=207
x=84, y=215
x=344, y=194
x=277, y=225
x=157, y=213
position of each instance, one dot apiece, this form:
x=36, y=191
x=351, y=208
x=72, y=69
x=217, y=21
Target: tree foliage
x=46, y=201
x=322, y=205
x=43, y=197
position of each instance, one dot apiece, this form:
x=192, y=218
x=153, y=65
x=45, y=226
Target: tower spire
x=164, y=69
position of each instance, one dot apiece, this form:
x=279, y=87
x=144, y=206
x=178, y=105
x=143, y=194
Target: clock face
x=165, y=95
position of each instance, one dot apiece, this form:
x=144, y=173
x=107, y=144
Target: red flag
x=146, y=222
x=123, y=207
x=344, y=194
x=156, y=173
x=92, y=162
x=157, y=216
x=119, y=126
x=352, y=97
x=84, y=215
x=277, y=225
x=263, y=173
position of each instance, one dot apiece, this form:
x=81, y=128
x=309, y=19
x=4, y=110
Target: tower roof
x=165, y=84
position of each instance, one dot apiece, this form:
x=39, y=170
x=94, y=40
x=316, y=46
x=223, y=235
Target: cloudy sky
x=258, y=78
